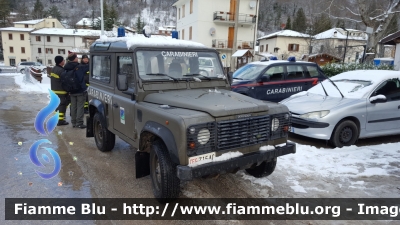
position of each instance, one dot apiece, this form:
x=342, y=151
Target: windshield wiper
x=162, y=74
x=197, y=74
x=323, y=88
x=335, y=86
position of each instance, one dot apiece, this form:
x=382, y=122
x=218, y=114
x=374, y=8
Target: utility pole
x=256, y=26
x=234, y=47
x=345, y=46
x=102, y=18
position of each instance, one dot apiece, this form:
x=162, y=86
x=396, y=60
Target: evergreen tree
x=23, y=12
x=322, y=23
x=38, y=10
x=300, y=21
x=4, y=12
x=95, y=21
x=340, y=23
x=288, y=24
x=139, y=24
x=54, y=12
x=113, y=16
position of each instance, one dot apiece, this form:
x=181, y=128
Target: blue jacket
x=80, y=74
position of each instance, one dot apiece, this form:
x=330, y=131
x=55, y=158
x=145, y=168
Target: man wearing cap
x=85, y=64
x=77, y=97
x=57, y=89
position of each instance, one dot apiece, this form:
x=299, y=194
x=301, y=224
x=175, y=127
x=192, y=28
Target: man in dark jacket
x=77, y=97
x=57, y=89
x=85, y=65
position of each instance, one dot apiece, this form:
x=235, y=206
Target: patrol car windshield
x=178, y=65
x=248, y=72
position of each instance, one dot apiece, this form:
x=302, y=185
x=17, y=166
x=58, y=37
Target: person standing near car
x=77, y=97
x=56, y=87
x=85, y=65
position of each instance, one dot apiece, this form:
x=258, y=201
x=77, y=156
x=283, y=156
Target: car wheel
x=264, y=169
x=204, y=73
x=105, y=140
x=345, y=134
x=22, y=71
x=166, y=185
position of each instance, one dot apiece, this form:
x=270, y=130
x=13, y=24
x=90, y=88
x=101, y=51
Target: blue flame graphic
x=45, y=112
x=33, y=155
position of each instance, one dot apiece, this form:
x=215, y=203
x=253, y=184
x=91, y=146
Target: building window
x=23, y=60
x=9, y=36
x=38, y=38
x=262, y=48
x=293, y=47
x=26, y=26
x=49, y=62
x=54, y=25
x=49, y=51
x=12, y=62
x=190, y=33
x=39, y=50
x=340, y=49
x=48, y=38
x=11, y=49
x=23, y=50
x=191, y=6
x=276, y=49
x=179, y=13
x=61, y=39
x=61, y=51
x=183, y=34
x=183, y=11
x=266, y=48
x=21, y=36
x=321, y=49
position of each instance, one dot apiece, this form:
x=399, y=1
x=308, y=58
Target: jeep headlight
x=203, y=136
x=315, y=115
x=274, y=124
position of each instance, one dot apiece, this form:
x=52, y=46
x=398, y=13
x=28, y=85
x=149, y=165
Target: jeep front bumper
x=186, y=173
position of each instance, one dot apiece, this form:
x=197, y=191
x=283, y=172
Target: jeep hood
x=217, y=103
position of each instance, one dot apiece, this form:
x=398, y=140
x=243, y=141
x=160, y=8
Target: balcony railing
x=230, y=17
x=221, y=44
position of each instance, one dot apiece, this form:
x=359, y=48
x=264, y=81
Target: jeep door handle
x=115, y=105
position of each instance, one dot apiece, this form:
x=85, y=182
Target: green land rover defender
x=184, y=120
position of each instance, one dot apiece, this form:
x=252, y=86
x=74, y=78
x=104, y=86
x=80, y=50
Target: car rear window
x=312, y=71
x=295, y=72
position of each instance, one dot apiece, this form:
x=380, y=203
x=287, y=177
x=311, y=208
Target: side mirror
x=230, y=77
x=378, y=99
x=122, y=82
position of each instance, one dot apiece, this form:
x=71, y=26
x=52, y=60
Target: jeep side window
x=125, y=67
x=102, y=68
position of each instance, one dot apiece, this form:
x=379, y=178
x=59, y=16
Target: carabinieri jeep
x=185, y=122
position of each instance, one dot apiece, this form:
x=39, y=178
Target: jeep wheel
x=166, y=185
x=105, y=140
x=345, y=134
x=264, y=169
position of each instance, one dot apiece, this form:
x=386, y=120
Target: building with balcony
x=212, y=23
x=16, y=40
x=285, y=43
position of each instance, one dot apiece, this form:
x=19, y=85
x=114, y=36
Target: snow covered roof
x=68, y=32
x=86, y=21
x=285, y=33
x=240, y=53
x=16, y=29
x=342, y=34
x=167, y=28
x=390, y=38
x=29, y=21
x=154, y=40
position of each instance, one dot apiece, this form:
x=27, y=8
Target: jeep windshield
x=178, y=65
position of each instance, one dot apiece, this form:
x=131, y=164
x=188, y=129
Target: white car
x=350, y=106
x=21, y=66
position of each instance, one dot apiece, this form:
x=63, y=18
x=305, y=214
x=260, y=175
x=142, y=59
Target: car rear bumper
x=187, y=173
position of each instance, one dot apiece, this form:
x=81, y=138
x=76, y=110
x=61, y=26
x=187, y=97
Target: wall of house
x=46, y=23
x=17, y=44
x=283, y=44
x=69, y=42
x=397, y=57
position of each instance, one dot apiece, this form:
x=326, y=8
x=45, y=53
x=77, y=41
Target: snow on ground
x=31, y=84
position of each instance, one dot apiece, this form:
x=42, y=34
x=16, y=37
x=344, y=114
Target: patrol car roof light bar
x=292, y=59
x=273, y=58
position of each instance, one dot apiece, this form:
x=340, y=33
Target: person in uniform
x=85, y=63
x=57, y=89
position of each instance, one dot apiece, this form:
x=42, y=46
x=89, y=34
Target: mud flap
x=142, y=164
x=89, y=126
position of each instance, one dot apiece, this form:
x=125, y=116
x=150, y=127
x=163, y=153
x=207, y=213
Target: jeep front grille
x=242, y=132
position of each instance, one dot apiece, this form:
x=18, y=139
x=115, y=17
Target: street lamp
x=345, y=46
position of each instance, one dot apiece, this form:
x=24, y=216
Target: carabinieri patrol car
x=275, y=80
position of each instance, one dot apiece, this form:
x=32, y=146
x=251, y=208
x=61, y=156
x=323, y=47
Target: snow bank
x=31, y=84
x=267, y=148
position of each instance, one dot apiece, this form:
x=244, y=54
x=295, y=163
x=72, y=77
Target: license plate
x=199, y=158
x=292, y=130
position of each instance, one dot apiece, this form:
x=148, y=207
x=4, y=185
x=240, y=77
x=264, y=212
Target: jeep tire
x=166, y=185
x=105, y=140
x=264, y=169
